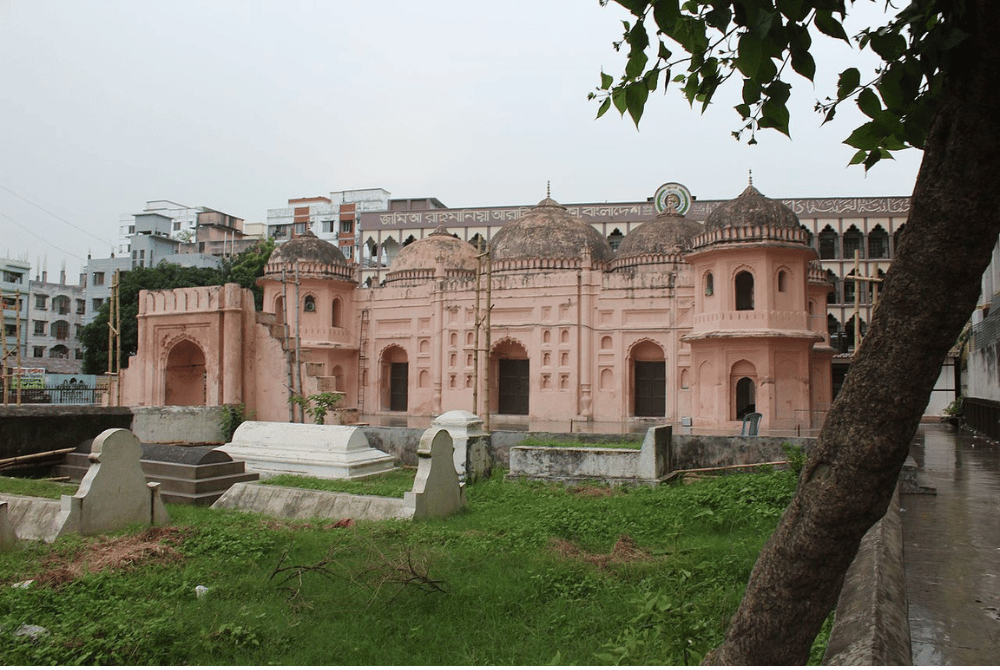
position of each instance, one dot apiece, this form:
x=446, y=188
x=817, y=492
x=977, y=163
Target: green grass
x=576, y=444
x=516, y=585
x=390, y=484
x=40, y=488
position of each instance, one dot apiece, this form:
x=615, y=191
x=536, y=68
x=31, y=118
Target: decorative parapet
x=191, y=299
x=675, y=257
x=817, y=275
x=311, y=270
x=420, y=276
x=736, y=234
x=543, y=264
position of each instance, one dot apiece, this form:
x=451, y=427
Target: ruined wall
x=38, y=428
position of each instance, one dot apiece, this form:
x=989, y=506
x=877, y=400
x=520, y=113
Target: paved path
x=951, y=548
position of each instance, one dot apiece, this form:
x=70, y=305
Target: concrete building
x=333, y=218
x=686, y=323
x=183, y=221
x=57, y=313
x=99, y=274
x=981, y=399
x=14, y=304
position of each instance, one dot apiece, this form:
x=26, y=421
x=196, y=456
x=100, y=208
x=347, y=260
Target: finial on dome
x=548, y=189
x=751, y=176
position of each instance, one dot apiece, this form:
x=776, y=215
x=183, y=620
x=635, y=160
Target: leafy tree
x=935, y=89
x=243, y=269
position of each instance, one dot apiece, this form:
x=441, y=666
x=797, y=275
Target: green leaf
x=635, y=98
x=618, y=99
x=750, y=55
x=849, y=80
x=606, y=81
x=636, y=64
x=865, y=136
x=803, y=63
x=774, y=114
x=743, y=110
x=828, y=25
x=605, y=106
x=665, y=14
x=751, y=91
x=868, y=103
x=858, y=157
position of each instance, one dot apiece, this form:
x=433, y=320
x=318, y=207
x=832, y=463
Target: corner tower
x=754, y=346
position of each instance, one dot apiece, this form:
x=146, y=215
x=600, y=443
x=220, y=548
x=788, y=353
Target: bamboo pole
x=34, y=457
x=478, y=324
x=489, y=309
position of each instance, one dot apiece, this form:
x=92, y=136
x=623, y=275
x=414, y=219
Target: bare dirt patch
x=624, y=551
x=153, y=546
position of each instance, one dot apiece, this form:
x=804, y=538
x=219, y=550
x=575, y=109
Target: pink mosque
x=685, y=323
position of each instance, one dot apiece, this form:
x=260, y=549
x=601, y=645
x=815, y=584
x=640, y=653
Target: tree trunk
x=929, y=292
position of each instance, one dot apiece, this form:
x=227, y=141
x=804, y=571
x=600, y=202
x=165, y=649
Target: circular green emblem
x=674, y=194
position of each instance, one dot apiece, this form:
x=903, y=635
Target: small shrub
x=795, y=455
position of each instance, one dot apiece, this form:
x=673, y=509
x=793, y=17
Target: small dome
x=310, y=249
x=667, y=233
x=548, y=231
x=751, y=208
x=425, y=255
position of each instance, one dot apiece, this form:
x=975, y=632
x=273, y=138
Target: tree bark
x=929, y=292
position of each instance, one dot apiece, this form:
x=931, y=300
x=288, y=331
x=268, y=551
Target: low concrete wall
x=35, y=429
x=180, y=425
x=691, y=452
x=401, y=442
x=573, y=464
x=872, y=625
x=286, y=502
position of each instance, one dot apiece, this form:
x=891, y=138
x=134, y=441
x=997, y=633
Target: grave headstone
x=7, y=537
x=436, y=491
x=473, y=453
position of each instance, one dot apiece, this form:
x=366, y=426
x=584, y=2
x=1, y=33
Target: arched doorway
x=744, y=389
x=513, y=378
x=184, y=382
x=395, y=379
x=649, y=380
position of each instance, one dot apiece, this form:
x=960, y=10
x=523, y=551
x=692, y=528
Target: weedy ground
x=530, y=573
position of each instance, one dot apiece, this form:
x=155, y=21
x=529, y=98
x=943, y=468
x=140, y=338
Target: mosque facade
x=690, y=323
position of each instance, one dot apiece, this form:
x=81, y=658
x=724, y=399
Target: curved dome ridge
x=751, y=208
x=419, y=260
x=668, y=233
x=308, y=248
x=549, y=231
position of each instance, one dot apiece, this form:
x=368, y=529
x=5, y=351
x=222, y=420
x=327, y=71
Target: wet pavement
x=951, y=549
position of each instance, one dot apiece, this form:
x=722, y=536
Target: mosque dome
x=420, y=260
x=667, y=234
x=548, y=232
x=308, y=248
x=312, y=257
x=751, y=208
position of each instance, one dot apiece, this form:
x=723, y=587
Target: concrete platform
x=292, y=503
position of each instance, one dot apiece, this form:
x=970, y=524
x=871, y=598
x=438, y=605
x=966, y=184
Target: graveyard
x=298, y=543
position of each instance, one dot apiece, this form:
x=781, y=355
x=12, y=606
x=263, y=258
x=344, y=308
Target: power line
x=45, y=241
x=53, y=214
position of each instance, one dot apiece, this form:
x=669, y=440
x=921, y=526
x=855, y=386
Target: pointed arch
x=184, y=380
x=829, y=242
x=648, y=367
x=854, y=240
x=744, y=290
x=512, y=366
x=394, y=386
x=878, y=242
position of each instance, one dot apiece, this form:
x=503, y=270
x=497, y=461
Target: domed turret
x=546, y=235
x=751, y=208
x=441, y=252
x=313, y=256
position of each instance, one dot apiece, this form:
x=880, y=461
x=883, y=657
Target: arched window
x=782, y=281
x=878, y=243
x=828, y=240
x=309, y=304
x=853, y=241
x=831, y=297
x=335, y=313
x=709, y=284
x=615, y=239
x=744, y=291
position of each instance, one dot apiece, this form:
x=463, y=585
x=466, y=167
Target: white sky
x=241, y=105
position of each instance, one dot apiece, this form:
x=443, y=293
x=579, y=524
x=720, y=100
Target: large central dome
x=420, y=260
x=548, y=232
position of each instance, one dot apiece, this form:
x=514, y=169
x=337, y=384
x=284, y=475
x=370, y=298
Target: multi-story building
x=98, y=276
x=14, y=304
x=182, y=226
x=57, y=312
x=333, y=219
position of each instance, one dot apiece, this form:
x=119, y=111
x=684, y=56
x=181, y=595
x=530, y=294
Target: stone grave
x=330, y=452
x=436, y=492
x=113, y=494
x=473, y=454
x=193, y=475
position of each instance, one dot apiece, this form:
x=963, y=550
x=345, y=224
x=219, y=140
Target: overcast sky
x=241, y=105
